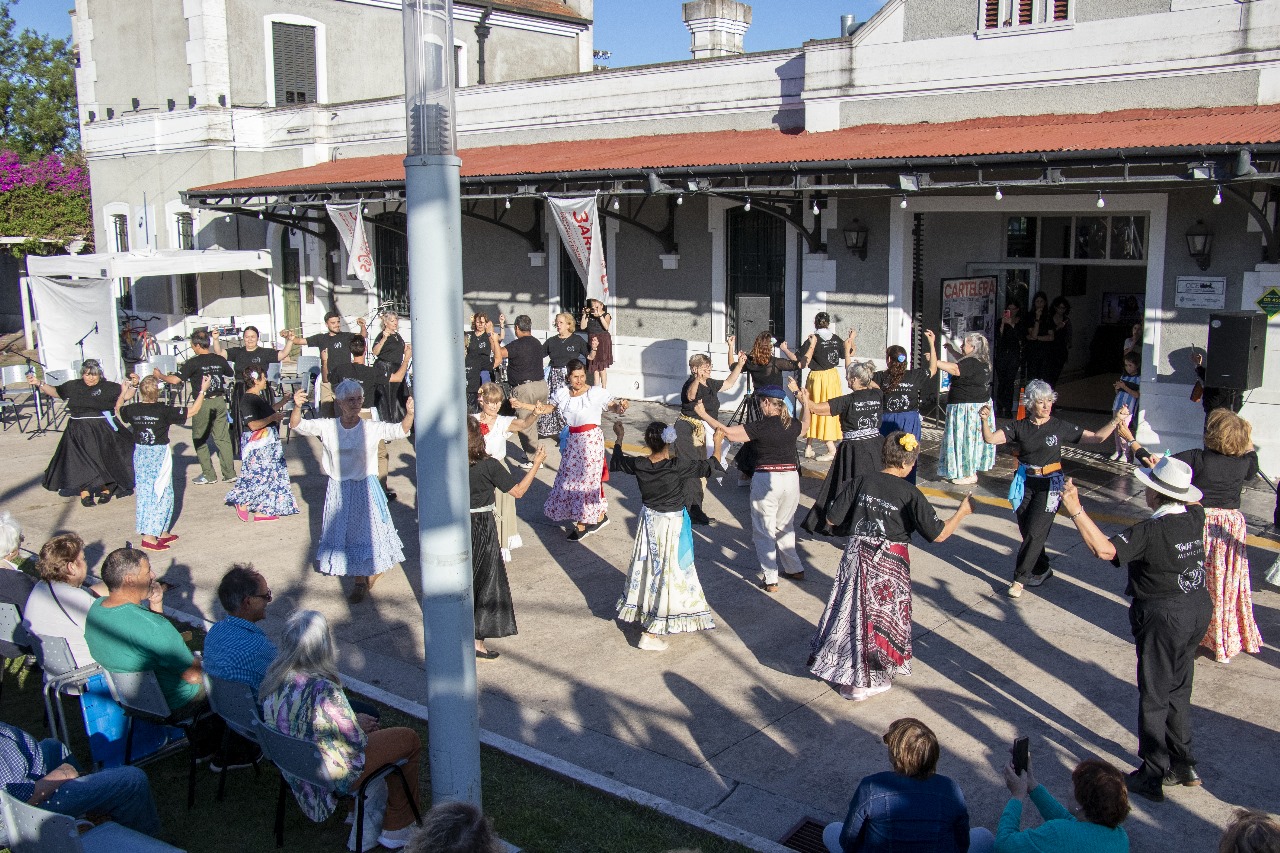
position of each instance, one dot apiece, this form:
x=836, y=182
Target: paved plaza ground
x=729, y=722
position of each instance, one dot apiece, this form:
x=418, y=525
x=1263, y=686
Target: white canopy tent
x=68, y=294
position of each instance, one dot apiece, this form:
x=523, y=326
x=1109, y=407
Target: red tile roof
x=540, y=7
x=1130, y=130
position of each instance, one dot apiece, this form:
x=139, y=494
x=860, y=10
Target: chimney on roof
x=717, y=26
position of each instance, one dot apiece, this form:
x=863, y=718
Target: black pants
x=1034, y=523
x=1166, y=632
x=1006, y=387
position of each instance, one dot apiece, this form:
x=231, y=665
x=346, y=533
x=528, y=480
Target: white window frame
x=1041, y=19
x=268, y=55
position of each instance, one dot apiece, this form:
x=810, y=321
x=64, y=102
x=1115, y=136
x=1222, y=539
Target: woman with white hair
x=964, y=453
x=357, y=536
x=1036, y=490
x=302, y=697
x=149, y=420
x=262, y=488
x=859, y=450
x=389, y=350
x=94, y=459
x=15, y=584
x=663, y=592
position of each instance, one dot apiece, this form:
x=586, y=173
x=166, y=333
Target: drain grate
x=806, y=837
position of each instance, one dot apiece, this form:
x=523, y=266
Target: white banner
x=66, y=312
x=578, y=221
x=350, y=221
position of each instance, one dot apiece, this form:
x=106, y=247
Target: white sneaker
x=808, y=453
x=966, y=481
x=396, y=838
x=650, y=643
x=1014, y=590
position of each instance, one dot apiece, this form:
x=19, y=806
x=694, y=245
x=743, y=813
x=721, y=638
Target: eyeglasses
x=265, y=596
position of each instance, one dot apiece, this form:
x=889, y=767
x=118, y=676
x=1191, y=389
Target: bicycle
x=136, y=341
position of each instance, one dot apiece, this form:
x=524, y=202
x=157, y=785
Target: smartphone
x=1021, y=754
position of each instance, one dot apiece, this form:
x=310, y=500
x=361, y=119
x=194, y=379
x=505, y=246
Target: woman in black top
x=864, y=636
x=963, y=452
x=1036, y=490
x=1008, y=360
x=859, y=451
x=775, y=484
x=764, y=368
x=1220, y=470
x=821, y=353
x=241, y=359
x=903, y=387
x=149, y=421
x=1038, y=339
x=597, y=323
x=692, y=441
x=481, y=357
x=94, y=456
x=495, y=615
x=662, y=592
x=389, y=350
x=561, y=348
x=1060, y=347
x=263, y=486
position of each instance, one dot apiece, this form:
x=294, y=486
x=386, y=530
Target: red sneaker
x=165, y=540
x=154, y=546
x=266, y=518
x=243, y=514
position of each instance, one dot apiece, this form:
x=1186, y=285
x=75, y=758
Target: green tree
x=37, y=91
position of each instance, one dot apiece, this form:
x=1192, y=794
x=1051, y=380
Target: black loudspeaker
x=752, y=315
x=1237, y=341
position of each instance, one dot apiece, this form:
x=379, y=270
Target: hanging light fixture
x=1217, y=194
x=679, y=198
x=615, y=205
x=506, y=203
x=1102, y=202
x=999, y=195
x=747, y=206
x=903, y=203
x=1200, y=244
x=816, y=210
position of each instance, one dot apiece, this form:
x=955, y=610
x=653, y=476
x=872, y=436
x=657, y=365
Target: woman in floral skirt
x=663, y=593
x=262, y=489
x=964, y=453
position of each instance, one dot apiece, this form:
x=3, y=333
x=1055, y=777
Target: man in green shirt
x=126, y=633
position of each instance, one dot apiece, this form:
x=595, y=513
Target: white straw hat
x=1171, y=477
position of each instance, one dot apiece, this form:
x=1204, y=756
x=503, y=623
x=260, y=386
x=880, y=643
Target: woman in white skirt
x=357, y=537
x=963, y=452
x=663, y=593
x=495, y=428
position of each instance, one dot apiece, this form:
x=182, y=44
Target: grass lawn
x=531, y=808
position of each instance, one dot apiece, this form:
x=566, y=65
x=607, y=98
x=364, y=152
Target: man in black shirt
x=210, y=423
x=528, y=381
x=1169, y=616
x=333, y=344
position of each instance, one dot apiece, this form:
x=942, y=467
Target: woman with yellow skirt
x=822, y=354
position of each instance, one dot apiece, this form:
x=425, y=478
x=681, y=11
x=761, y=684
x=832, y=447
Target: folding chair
x=302, y=759
x=13, y=384
x=234, y=702
x=141, y=697
x=53, y=412
x=61, y=676
x=15, y=642
x=35, y=830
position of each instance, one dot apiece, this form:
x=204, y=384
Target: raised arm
x=1121, y=416
x=216, y=348
x=732, y=381
x=286, y=345
x=848, y=344
x=299, y=400
x=127, y=389
x=398, y=376
x=988, y=435
x=931, y=352
x=732, y=341
x=407, y=423
x=1094, y=539
x=806, y=351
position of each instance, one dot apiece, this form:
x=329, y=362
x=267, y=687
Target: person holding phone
x=864, y=639
x=598, y=323
x=1090, y=821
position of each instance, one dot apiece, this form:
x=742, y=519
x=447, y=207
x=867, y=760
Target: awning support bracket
x=1243, y=195
x=665, y=235
x=534, y=235
x=793, y=215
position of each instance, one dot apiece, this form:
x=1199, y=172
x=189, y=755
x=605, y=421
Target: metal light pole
x=435, y=306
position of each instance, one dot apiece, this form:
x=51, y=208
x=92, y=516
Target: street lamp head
x=428, y=67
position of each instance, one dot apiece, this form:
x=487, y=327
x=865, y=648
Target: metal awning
x=141, y=264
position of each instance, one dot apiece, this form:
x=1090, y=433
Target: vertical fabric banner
x=68, y=310
x=578, y=221
x=350, y=221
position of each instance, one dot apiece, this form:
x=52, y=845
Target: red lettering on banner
x=581, y=216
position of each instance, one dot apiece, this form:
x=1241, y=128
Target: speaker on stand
x=1234, y=355
x=752, y=315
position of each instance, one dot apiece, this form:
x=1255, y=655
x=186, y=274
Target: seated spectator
x=910, y=808
x=1250, y=832
x=1091, y=821
x=235, y=648
x=302, y=696
x=44, y=774
x=454, y=828
x=126, y=632
x=15, y=584
x=59, y=604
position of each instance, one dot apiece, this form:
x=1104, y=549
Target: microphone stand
x=80, y=343
x=41, y=426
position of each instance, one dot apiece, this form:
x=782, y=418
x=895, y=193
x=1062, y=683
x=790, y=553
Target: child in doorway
x=1127, y=393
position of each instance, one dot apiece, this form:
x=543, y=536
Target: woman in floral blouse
x=302, y=696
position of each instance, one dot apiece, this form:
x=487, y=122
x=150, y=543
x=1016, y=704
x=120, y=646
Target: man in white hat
x=1169, y=615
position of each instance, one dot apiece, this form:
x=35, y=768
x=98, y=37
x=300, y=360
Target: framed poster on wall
x=968, y=305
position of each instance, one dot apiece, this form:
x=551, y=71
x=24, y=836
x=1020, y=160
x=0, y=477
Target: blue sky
x=635, y=33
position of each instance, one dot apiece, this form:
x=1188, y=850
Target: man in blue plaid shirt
x=236, y=648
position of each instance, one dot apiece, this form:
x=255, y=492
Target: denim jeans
x=123, y=793
x=981, y=839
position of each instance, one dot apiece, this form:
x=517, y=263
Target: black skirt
x=495, y=615
x=91, y=457
x=853, y=458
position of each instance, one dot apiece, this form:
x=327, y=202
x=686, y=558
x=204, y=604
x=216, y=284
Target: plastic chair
x=13, y=384
x=61, y=676
x=15, y=642
x=302, y=759
x=140, y=695
x=35, y=830
x=234, y=702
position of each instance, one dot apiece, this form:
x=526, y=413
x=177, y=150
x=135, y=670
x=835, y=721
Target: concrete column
x=717, y=26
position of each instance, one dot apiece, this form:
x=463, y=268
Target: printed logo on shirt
x=1051, y=441
x=146, y=436
x=1189, y=580
x=868, y=423
x=896, y=403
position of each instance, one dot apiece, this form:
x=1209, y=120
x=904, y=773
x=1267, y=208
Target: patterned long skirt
x=357, y=536
x=576, y=494
x=663, y=592
x=963, y=451
x=549, y=426
x=263, y=485
x=864, y=635
x=824, y=385
x=495, y=615
x=153, y=498
x=1226, y=561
